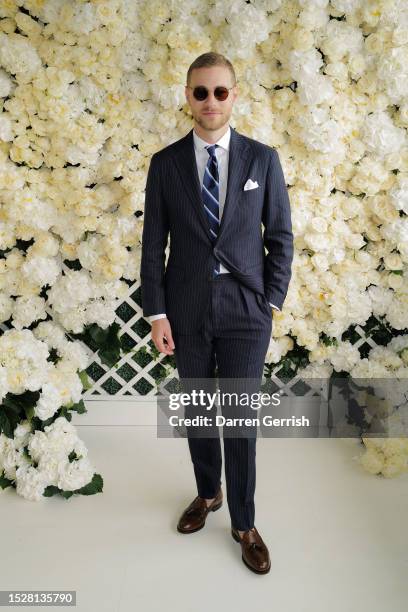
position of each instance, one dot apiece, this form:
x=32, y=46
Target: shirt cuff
x=273, y=306
x=158, y=316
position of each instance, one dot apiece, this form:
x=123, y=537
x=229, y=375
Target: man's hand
x=161, y=331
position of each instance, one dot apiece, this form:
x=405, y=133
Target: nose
x=211, y=103
x=211, y=95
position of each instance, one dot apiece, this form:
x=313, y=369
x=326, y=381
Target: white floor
x=337, y=536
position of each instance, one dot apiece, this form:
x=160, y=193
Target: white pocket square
x=250, y=184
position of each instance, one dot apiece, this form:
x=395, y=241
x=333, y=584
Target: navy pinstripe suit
x=221, y=325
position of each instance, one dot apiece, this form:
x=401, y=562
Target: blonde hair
x=210, y=59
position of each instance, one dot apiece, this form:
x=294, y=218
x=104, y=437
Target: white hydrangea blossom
x=28, y=309
x=18, y=55
x=25, y=359
x=381, y=136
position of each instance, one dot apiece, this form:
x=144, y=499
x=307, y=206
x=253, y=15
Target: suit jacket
x=174, y=207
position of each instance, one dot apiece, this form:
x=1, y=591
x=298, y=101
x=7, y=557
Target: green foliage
x=5, y=482
x=105, y=342
x=288, y=366
x=86, y=383
x=16, y=408
x=328, y=340
x=79, y=407
x=155, y=353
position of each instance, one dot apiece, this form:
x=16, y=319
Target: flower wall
x=90, y=90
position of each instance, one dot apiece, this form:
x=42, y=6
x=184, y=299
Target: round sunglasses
x=200, y=92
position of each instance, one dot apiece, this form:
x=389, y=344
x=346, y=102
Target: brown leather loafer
x=255, y=553
x=193, y=517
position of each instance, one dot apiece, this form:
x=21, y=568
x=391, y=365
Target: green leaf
x=8, y=422
x=155, y=353
x=98, y=334
x=328, y=340
x=107, y=341
x=10, y=403
x=39, y=424
x=50, y=491
x=95, y=486
x=29, y=412
x=67, y=494
x=5, y=482
x=22, y=401
x=108, y=357
x=86, y=383
x=72, y=456
x=79, y=407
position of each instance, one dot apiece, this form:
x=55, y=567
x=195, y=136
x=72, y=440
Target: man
x=212, y=191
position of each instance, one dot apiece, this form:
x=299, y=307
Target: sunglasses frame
x=213, y=91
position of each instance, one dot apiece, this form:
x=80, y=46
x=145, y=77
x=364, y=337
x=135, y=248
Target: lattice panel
x=139, y=370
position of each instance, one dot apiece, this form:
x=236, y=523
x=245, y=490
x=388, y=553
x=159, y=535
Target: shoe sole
x=236, y=538
x=214, y=509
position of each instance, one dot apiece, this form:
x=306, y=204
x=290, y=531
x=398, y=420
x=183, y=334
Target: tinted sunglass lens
x=221, y=93
x=200, y=93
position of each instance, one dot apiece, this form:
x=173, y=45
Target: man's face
x=211, y=114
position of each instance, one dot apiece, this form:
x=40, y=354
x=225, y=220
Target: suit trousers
x=231, y=344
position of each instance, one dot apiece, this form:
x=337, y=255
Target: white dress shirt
x=201, y=155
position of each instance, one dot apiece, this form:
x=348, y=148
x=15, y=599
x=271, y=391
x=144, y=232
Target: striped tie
x=210, y=193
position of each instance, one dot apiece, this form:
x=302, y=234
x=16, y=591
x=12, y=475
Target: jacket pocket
x=263, y=303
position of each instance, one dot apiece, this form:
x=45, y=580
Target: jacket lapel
x=238, y=164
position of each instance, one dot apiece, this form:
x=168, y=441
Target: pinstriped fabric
x=236, y=356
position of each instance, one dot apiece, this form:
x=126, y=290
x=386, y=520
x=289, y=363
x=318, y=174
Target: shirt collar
x=223, y=142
